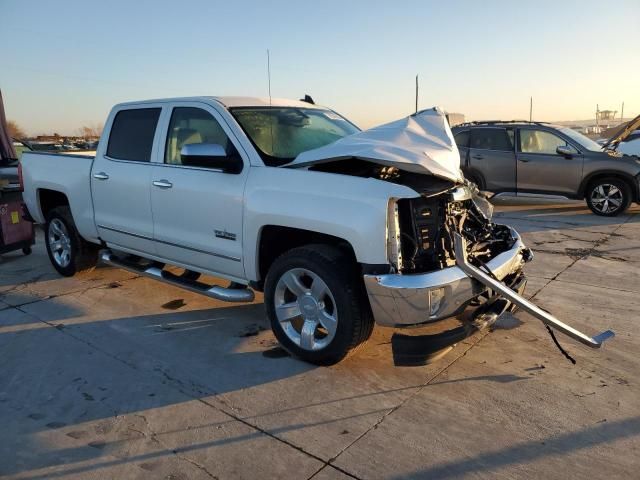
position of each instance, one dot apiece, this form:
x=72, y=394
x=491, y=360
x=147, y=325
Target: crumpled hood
x=419, y=143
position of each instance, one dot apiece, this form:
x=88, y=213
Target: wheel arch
x=274, y=240
x=625, y=177
x=49, y=199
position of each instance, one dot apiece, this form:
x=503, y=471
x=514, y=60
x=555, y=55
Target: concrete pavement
x=108, y=375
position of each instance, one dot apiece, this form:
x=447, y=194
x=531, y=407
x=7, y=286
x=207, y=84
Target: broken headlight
x=394, y=252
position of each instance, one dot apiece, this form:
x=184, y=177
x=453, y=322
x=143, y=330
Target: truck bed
x=60, y=172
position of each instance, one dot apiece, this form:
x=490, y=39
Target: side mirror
x=566, y=151
x=210, y=155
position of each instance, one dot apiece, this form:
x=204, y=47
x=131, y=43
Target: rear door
x=121, y=179
x=541, y=169
x=492, y=156
x=197, y=208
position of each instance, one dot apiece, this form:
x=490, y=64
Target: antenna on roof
x=530, y=109
x=269, y=74
x=416, y=93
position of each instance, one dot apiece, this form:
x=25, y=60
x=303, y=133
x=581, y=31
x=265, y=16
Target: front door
x=121, y=179
x=197, y=209
x=541, y=169
x=491, y=155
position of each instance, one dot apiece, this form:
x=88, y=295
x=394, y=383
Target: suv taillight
x=20, y=179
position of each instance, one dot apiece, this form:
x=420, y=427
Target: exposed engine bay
x=428, y=223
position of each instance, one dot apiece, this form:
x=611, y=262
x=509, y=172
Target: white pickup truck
x=340, y=228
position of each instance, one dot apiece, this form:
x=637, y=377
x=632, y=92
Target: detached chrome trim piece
x=513, y=297
x=144, y=237
x=404, y=300
x=156, y=273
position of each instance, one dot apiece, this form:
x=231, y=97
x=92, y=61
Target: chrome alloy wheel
x=306, y=309
x=606, y=198
x=59, y=243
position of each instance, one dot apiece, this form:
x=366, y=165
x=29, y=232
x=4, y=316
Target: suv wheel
x=316, y=303
x=67, y=250
x=608, y=196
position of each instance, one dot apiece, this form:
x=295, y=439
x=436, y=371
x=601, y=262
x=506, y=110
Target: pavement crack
x=409, y=397
x=153, y=436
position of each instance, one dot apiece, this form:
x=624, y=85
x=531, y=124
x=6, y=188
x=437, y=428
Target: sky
x=66, y=63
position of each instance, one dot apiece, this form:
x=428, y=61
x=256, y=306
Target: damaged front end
x=448, y=258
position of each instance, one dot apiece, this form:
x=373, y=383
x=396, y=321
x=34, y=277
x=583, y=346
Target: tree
x=91, y=131
x=15, y=131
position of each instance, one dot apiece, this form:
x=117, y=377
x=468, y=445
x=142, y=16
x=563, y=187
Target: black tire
x=340, y=274
x=83, y=255
x=593, y=193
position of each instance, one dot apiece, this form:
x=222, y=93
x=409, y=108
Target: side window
x=540, y=141
x=193, y=125
x=491, y=139
x=462, y=138
x=132, y=132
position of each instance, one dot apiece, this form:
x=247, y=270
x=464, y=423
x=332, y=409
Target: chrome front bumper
x=405, y=300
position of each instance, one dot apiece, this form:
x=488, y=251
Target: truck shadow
x=83, y=372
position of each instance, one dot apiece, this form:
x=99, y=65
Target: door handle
x=101, y=176
x=163, y=183
x=523, y=160
x=478, y=157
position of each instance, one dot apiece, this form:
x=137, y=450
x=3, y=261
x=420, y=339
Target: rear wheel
x=68, y=252
x=316, y=304
x=608, y=196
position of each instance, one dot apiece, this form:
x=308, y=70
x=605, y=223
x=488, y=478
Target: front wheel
x=608, y=197
x=316, y=303
x=68, y=252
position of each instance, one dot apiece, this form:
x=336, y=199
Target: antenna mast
x=530, y=109
x=269, y=74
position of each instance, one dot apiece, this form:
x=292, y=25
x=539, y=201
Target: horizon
x=484, y=61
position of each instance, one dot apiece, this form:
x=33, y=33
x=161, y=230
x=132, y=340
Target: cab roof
x=232, y=102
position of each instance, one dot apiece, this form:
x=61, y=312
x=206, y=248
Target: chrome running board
x=156, y=273
x=523, y=303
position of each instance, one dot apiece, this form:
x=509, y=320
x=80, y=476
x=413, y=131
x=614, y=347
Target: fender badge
x=226, y=235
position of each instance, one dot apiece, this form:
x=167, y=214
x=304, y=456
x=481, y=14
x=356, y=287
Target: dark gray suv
x=541, y=159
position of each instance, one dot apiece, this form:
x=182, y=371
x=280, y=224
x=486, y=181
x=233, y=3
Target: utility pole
x=530, y=109
x=416, y=93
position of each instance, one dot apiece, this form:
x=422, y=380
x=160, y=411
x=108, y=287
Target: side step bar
x=523, y=303
x=212, y=291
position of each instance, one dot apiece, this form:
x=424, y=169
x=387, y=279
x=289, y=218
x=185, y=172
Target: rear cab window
x=497, y=139
x=132, y=132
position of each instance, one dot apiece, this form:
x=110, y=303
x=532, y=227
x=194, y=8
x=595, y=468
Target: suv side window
x=491, y=139
x=132, y=132
x=462, y=138
x=191, y=125
x=540, y=141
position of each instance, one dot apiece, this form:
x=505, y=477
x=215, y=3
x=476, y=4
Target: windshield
x=581, y=140
x=280, y=134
